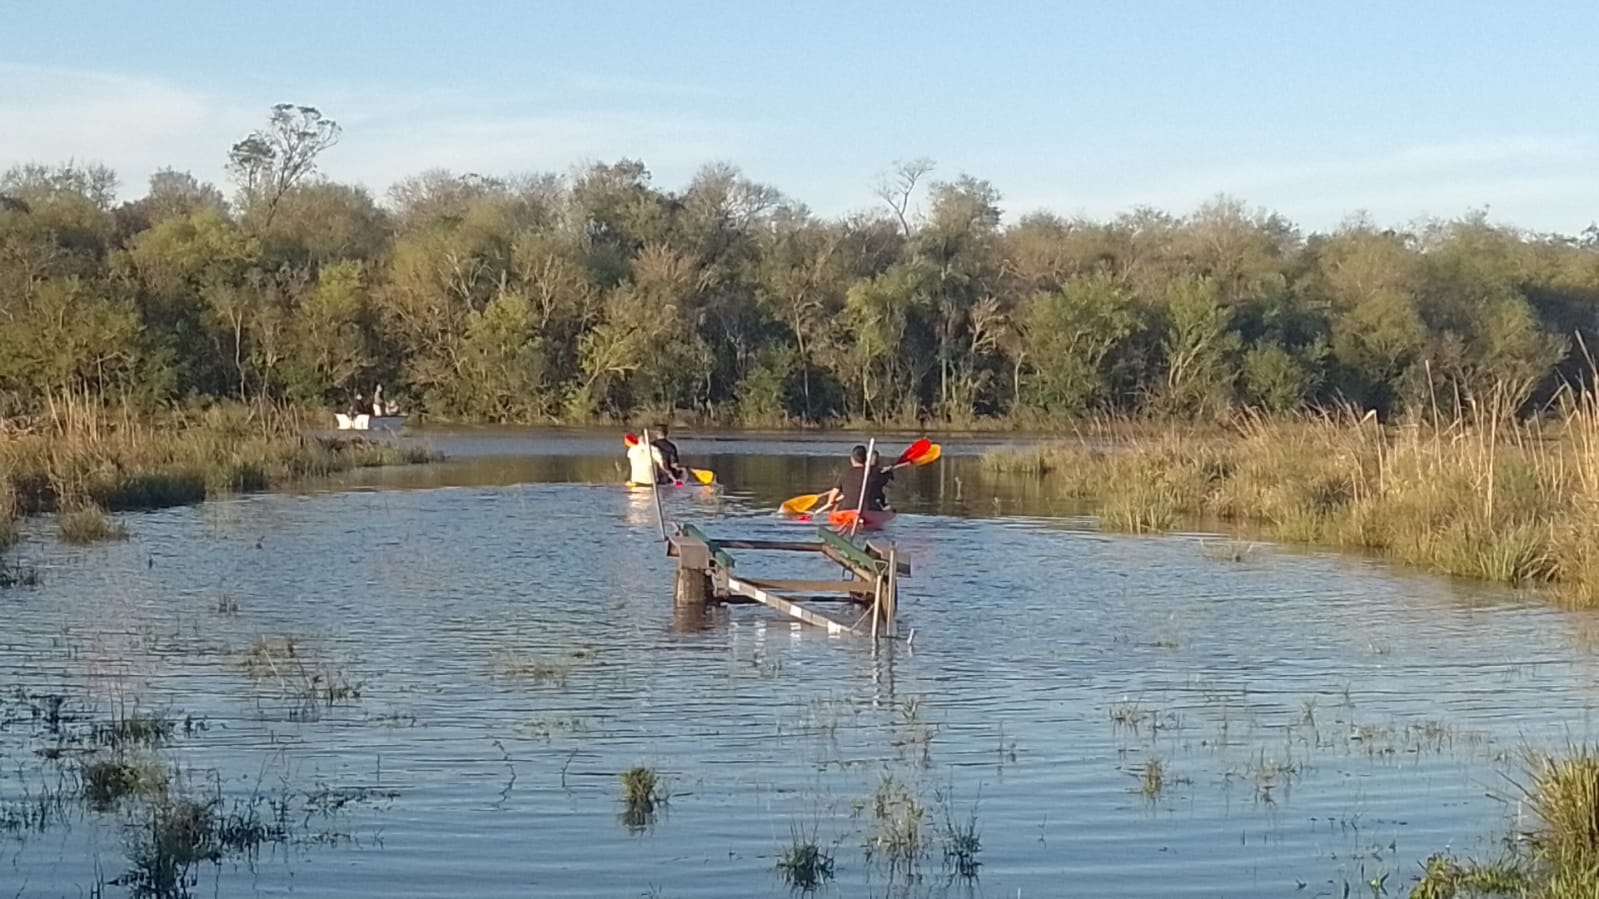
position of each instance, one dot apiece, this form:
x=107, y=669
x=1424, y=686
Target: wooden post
x=893, y=591
x=693, y=573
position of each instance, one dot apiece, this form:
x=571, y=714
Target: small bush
x=89, y=523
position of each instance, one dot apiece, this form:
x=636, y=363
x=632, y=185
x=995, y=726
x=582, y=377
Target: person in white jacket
x=645, y=464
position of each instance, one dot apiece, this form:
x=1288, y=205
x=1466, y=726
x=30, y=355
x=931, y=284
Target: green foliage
x=1072, y=335
x=602, y=294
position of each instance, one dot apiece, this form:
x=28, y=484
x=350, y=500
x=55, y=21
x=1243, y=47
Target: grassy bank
x=1513, y=504
x=82, y=456
x=1556, y=858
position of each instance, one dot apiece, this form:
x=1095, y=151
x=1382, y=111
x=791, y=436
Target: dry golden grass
x=1511, y=503
x=80, y=453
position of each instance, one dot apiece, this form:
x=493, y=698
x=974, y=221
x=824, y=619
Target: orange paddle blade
x=801, y=504
x=928, y=457
x=914, y=451
x=704, y=476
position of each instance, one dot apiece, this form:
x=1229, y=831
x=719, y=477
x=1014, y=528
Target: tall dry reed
x=1486, y=498
x=81, y=453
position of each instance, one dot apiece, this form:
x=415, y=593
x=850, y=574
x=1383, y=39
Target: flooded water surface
x=430, y=680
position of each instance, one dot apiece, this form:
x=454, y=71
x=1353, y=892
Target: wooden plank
x=881, y=550
x=848, y=550
x=718, y=554
x=776, y=545
x=839, y=558
x=733, y=599
x=787, y=608
x=861, y=587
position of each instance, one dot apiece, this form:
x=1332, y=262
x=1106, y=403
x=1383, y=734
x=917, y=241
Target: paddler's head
x=857, y=456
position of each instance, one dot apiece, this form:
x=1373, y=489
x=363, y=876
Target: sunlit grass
x=1515, y=504
x=88, y=523
x=83, y=453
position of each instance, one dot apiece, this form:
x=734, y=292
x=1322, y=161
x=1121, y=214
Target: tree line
x=597, y=294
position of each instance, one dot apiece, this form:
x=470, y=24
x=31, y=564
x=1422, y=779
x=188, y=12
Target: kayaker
x=845, y=494
x=645, y=464
x=876, y=488
x=669, y=459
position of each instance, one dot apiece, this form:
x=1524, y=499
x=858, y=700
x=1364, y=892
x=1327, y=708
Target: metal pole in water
x=655, y=485
x=866, y=483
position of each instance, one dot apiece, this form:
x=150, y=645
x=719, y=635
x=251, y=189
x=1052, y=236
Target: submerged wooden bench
x=705, y=575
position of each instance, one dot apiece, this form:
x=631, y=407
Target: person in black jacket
x=845, y=494
x=668, y=450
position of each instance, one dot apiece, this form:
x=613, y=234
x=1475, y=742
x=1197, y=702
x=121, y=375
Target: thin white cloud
x=140, y=124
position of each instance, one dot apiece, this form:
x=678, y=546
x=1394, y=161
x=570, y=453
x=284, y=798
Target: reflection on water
x=1314, y=720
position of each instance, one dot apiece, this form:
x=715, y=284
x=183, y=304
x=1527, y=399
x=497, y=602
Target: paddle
x=922, y=452
x=802, y=504
x=913, y=452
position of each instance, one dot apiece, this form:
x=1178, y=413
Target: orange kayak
x=870, y=520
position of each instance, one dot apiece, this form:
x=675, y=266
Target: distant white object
x=364, y=422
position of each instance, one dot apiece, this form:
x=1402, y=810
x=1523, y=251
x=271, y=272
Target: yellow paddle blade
x=932, y=454
x=802, y=504
x=703, y=476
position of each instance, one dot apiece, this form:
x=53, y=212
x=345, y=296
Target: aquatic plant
x=18, y=575
x=109, y=781
x=962, y=842
x=804, y=864
x=1445, y=877
x=639, y=786
x=88, y=523
x=514, y=665
x=1152, y=778
x=898, y=830
x=301, y=674
x=178, y=832
x=140, y=729
x=643, y=792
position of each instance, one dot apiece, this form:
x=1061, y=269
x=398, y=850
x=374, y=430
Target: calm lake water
x=1320, y=722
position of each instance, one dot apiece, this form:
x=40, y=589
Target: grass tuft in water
x=898, y=830
x=641, y=787
x=141, y=729
x=514, y=665
x=962, y=842
x=1152, y=778
x=18, y=575
x=804, y=864
x=88, y=523
x=1445, y=877
x=109, y=781
x=643, y=792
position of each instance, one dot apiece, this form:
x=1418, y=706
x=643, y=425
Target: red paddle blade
x=914, y=451
x=629, y=440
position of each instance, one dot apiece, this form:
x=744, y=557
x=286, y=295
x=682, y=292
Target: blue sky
x=1316, y=110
